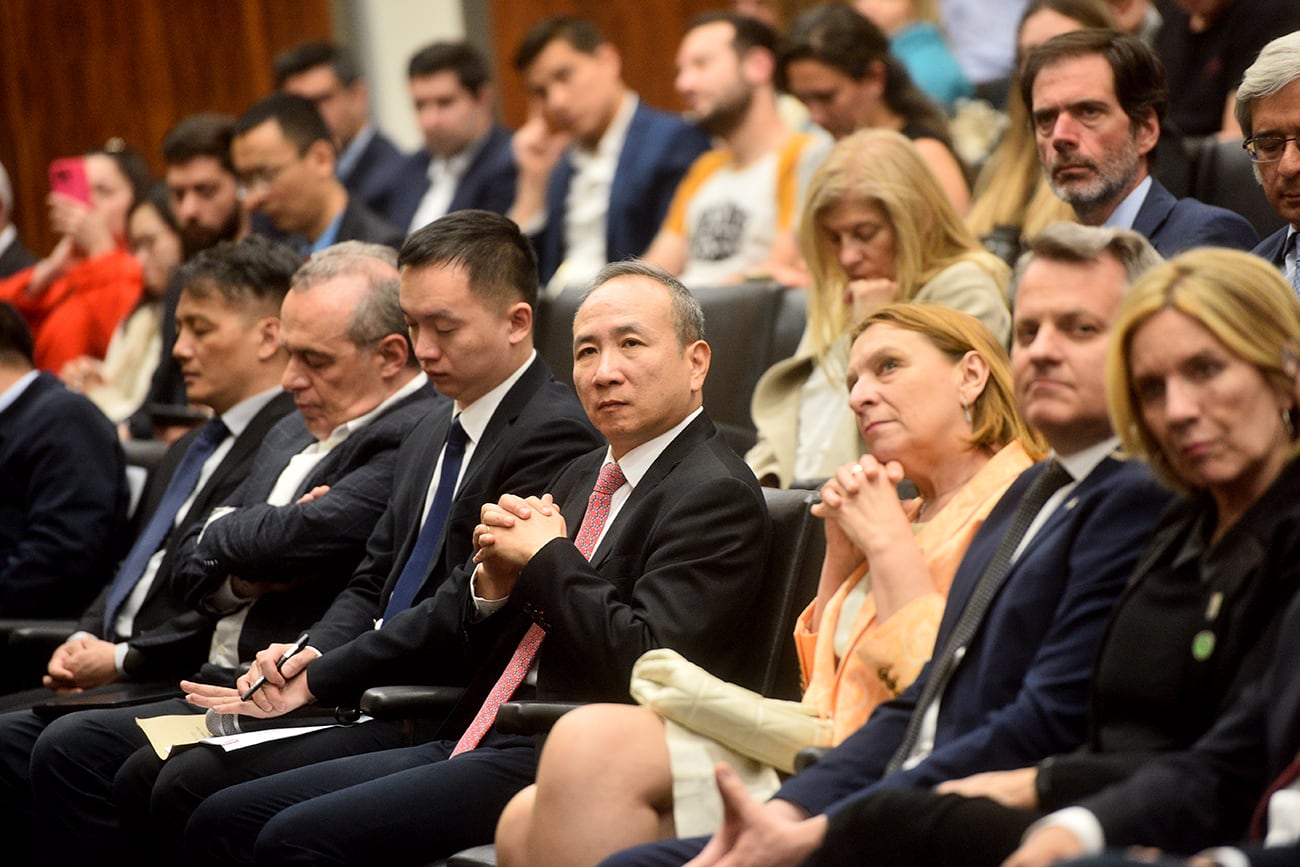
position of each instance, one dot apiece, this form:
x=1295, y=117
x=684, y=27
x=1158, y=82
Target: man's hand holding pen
x=285, y=687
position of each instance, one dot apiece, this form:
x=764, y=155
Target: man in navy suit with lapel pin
x=1008, y=682
x=1096, y=98
x=1268, y=109
x=597, y=167
x=466, y=161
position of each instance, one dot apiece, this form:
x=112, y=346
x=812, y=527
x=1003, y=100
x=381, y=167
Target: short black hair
x=206, y=134
x=458, y=57
x=252, y=275
x=750, y=32
x=1140, y=84
x=309, y=55
x=16, y=346
x=496, y=256
x=297, y=118
x=580, y=33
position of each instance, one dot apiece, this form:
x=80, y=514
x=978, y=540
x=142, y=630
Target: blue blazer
x=1173, y=225
x=374, y=177
x=1273, y=248
x=659, y=148
x=63, y=499
x=1021, y=691
x=488, y=183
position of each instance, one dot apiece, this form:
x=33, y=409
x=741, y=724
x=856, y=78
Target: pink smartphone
x=68, y=176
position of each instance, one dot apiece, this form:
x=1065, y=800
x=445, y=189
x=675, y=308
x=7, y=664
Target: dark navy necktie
x=1053, y=477
x=417, y=564
x=164, y=517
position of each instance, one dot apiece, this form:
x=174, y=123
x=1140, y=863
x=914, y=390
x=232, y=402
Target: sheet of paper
x=169, y=730
x=178, y=732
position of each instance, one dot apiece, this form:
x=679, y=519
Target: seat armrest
x=38, y=631
x=531, y=717
x=409, y=702
x=809, y=756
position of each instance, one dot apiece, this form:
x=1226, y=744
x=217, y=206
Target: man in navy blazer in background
x=1096, y=98
x=63, y=491
x=597, y=167
x=1019, y=689
x=466, y=161
x=327, y=75
x=1268, y=107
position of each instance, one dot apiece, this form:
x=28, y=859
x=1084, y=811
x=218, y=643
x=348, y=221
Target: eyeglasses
x=259, y=179
x=1267, y=148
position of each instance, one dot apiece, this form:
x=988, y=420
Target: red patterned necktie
x=593, y=521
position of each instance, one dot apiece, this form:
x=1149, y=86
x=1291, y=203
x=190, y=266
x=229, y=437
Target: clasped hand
x=81, y=663
x=510, y=532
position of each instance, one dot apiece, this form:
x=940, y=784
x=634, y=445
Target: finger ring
x=857, y=469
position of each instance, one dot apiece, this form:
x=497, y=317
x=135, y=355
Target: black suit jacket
x=317, y=544
x=1273, y=248
x=15, y=258
x=374, y=176
x=1236, y=591
x=488, y=183
x=1189, y=800
x=1021, y=691
x=359, y=223
x=537, y=429
x=63, y=499
x=161, y=604
x=1174, y=225
x=678, y=568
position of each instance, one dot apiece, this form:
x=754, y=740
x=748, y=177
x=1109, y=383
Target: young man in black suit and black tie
x=676, y=532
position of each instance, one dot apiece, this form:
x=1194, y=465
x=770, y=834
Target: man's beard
x=1111, y=178
x=728, y=114
x=196, y=238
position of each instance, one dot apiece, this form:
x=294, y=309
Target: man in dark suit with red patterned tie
x=676, y=531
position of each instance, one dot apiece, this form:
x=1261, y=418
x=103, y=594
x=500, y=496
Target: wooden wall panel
x=74, y=73
x=645, y=31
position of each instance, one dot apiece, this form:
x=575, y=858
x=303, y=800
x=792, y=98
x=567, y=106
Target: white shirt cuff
x=484, y=608
x=1226, y=856
x=1080, y=822
x=119, y=657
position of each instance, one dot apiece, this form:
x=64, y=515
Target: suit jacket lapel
x=1154, y=211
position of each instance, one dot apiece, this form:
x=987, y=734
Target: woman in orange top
x=931, y=389
x=75, y=297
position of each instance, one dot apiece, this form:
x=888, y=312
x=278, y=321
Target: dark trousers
x=922, y=829
x=18, y=733
x=411, y=805
x=665, y=853
x=155, y=799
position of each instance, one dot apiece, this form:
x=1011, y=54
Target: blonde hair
x=995, y=421
x=882, y=168
x=1239, y=298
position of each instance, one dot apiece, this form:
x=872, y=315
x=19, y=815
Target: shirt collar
x=475, y=417
x=351, y=426
x=15, y=391
x=1127, y=210
x=611, y=143
x=456, y=164
x=331, y=233
x=637, y=462
x=241, y=414
x=1081, y=463
x=8, y=235
x=348, y=158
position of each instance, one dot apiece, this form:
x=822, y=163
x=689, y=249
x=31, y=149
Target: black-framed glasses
x=1267, y=148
